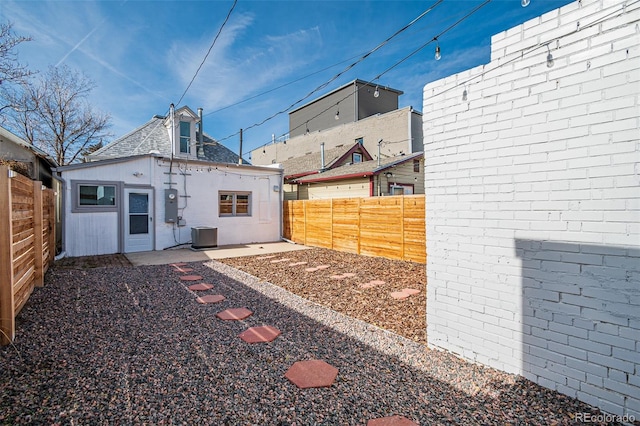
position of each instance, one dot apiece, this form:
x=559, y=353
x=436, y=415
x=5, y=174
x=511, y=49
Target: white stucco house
x=147, y=190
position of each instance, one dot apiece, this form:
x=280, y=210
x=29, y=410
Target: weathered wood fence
x=391, y=227
x=27, y=243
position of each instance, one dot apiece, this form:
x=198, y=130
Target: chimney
x=200, y=136
x=322, y=157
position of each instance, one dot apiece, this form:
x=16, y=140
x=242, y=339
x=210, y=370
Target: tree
x=53, y=114
x=12, y=73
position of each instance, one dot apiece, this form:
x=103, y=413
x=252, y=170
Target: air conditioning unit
x=203, y=237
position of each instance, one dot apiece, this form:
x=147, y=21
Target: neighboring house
x=402, y=175
x=188, y=141
x=137, y=195
x=26, y=159
x=352, y=113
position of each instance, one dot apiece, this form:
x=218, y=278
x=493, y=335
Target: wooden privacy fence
x=27, y=243
x=391, y=227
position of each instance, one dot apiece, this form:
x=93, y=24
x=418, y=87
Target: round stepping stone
x=410, y=291
x=190, y=277
x=391, y=421
x=210, y=298
x=399, y=295
x=261, y=334
x=200, y=287
x=234, y=314
x=311, y=374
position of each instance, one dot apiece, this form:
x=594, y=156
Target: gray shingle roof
x=364, y=168
x=153, y=136
x=312, y=163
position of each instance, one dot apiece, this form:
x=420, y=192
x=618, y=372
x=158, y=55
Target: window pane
x=357, y=158
x=226, y=204
x=138, y=224
x=185, y=137
x=97, y=195
x=242, y=204
x=138, y=203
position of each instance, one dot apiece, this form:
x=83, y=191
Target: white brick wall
x=533, y=205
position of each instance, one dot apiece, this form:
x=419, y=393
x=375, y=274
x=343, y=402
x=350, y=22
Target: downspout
x=63, y=189
x=322, y=165
x=200, y=135
x=240, y=150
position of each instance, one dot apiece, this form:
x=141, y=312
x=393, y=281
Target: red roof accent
x=340, y=177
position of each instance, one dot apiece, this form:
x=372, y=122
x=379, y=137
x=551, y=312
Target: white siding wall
x=533, y=205
x=198, y=187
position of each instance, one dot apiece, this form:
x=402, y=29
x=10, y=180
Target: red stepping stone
x=190, y=278
x=297, y=263
x=323, y=267
x=311, y=374
x=371, y=284
x=234, y=314
x=399, y=295
x=210, y=298
x=348, y=274
x=280, y=260
x=337, y=277
x=311, y=269
x=410, y=291
x=184, y=270
x=177, y=265
x=391, y=421
x=266, y=257
x=200, y=287
x=261, y=334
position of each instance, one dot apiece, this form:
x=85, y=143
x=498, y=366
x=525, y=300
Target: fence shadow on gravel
x=133, y=346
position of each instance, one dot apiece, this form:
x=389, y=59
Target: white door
x=138, y=220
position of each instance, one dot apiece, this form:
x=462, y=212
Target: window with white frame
x=357, y=157
x=234, y=203
x=94, y=196
x=185, y=137
x=400, y=189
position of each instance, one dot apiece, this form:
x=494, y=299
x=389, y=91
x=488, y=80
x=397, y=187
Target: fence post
x=38, y=242
x=7, y=320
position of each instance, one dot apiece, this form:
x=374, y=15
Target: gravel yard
x=130, y=345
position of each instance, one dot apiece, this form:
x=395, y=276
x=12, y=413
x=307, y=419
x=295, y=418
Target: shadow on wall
x=581, y=321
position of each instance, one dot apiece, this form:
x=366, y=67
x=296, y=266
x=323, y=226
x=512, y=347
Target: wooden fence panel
x=346, y=224
x=391, y=227
x=26, y=245
x=318, y=230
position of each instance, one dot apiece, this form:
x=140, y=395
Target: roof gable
x=312, y=163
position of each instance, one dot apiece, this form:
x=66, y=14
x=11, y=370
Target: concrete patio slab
x=185, y=255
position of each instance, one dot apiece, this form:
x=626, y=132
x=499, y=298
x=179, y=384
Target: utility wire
x=208, y=52
x=349, y=67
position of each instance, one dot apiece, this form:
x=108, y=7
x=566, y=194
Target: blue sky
x=143, y=54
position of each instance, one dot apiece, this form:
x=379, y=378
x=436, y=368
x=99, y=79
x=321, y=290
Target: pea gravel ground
x=130, y=345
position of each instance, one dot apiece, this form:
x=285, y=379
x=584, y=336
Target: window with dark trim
x=94, y=196
x=357, y=157
x=234, y=203
x=416, y=166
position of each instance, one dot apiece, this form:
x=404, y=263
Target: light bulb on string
x=438, y=54
x=337, y=116
x=525, y=3
x=376, y=92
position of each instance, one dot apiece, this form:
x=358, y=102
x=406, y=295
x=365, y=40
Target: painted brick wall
x=532, y=167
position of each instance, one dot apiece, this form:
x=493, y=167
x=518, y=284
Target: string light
x=437, y=55
x=376, y=92
x=525, y=3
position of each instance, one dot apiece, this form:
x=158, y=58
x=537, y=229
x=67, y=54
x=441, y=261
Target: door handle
x=150, y=219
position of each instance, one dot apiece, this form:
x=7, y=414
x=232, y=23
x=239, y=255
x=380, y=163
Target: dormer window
x=185, y=137
x=357, y=157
